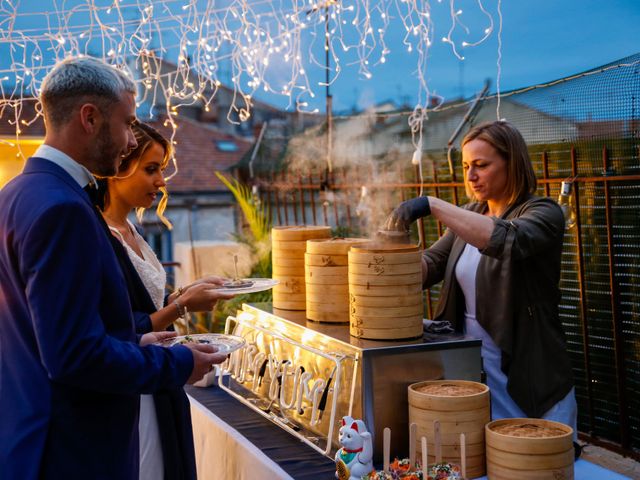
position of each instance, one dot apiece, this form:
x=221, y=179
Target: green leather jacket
x=517, y=298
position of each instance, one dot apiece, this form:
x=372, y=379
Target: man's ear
x=90, y=118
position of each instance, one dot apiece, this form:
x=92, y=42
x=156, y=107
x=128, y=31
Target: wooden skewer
x=386, y=447
x=425, y=459
x=436, y=440
x=463, y=455
x=235, y=265
x=413, y=430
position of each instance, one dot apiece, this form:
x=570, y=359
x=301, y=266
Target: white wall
x=207, y=223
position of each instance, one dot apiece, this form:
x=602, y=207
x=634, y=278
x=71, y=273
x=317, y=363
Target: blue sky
x=542, y=40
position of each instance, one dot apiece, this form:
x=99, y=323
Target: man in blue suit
x=71, y=366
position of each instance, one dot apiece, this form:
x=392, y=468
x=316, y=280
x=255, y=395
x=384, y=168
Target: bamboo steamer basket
x=321, y=289
x=334, y=246
x=325, y=260
x=386, y=333
x=313, y=272
x=326, y=267
x=371, y=312
x=382, y=323
x=386, y=280
x=290, y=284
x=385, y=291
x=289, y=297
x=399, y=269
x=328, y=280
x=359, y=255
x=377, y=291
x=288, y=248
x=395, y=301
x=459, y=406
x=288, y=262
x=529, y=448
x=283, y=247
x=300, y=233
x=337, y=307
x=371, y=322
x=280, y=272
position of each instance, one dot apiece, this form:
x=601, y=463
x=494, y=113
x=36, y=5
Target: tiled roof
x=198, y=155
x=196, y=151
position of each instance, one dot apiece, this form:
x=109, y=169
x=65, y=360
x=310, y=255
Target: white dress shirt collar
x=78, y=172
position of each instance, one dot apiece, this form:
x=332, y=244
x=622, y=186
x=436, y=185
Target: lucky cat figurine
x=355, y=458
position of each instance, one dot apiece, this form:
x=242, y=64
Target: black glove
x=408, y=212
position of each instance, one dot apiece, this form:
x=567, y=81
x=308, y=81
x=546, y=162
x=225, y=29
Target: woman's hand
x=202, y=297
x=406, y=213
x=212, y=280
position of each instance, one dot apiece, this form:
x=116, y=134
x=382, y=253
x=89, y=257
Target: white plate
x=257, y=285
x=224, y=343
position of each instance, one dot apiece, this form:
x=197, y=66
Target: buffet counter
x=306, y=376
x=234, y=442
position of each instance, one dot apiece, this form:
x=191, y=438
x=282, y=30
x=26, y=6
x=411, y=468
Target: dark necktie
x=96, y=195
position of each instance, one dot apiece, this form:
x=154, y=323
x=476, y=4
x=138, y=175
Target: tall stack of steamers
x=288, y=246
x=385, y=291
x=375, y=287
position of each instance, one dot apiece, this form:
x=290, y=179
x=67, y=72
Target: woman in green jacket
x=500, y=262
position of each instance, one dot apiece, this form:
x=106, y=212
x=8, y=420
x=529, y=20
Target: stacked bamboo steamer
x=288, y=247
x=326, y=278
x=529, y=449
x=460, y=407
x=385, y=291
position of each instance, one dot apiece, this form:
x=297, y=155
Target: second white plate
x=258, y=285
x=224, y=343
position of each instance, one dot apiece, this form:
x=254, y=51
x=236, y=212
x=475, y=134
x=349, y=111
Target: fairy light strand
x=263, y=47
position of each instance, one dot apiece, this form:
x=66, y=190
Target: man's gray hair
x=78, y=80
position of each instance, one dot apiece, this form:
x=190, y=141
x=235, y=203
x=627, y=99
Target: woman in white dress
x=166, y=444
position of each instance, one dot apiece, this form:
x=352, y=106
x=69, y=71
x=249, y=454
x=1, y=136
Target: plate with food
x=247, y=285
x=224, y=343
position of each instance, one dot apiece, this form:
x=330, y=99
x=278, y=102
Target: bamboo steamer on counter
x=460, y=407
x=529, y=449
x=288, y=247
x=327, y=280
x=385, y=291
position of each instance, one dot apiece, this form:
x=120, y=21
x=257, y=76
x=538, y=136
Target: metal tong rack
x=231, y=373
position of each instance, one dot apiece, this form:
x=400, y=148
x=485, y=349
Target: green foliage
x=257, y=236
x=255, y=214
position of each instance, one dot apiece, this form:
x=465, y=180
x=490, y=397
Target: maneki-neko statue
x=355, y=458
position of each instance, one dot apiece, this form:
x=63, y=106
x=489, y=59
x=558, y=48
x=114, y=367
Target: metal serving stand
x=305, y=376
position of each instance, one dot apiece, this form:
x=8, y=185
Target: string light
x=258, y=44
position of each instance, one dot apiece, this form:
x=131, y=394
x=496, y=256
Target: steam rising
x=370, y=155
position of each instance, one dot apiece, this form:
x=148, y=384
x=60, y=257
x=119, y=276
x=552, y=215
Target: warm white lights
x=260, y=45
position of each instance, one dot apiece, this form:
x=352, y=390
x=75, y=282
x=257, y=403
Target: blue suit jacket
x=70, y=367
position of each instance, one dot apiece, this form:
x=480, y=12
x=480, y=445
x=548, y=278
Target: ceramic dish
x=224, y=343
x=252, y=285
